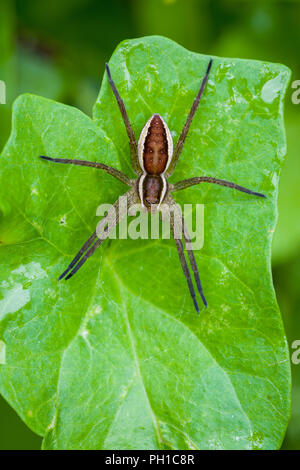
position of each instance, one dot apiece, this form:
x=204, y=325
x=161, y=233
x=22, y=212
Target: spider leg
x=107, y=224
x=110, y=170
x=190, y=117
x=207, y=179
x=79, y=254
x=183, y=262
x=130, y=133
x=193, y=261
x=87, y=255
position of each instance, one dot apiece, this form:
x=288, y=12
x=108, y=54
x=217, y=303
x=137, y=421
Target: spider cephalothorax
x=153, y=160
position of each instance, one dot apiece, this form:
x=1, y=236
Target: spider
x=153, y=160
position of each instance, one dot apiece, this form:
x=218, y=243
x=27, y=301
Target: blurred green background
x=57, y=49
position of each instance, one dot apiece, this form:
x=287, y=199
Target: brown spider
x=153, y=160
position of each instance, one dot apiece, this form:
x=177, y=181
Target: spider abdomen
x=155, y=153
x=155, y=146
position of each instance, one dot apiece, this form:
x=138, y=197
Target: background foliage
x=57, y=49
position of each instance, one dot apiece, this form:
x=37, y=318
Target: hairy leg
x=184, y=265
x=130, y=133
x=193, y=261
x=82, y=250
x=104, y=228
x=207, y=179
x=181, y=140
x=108, y=169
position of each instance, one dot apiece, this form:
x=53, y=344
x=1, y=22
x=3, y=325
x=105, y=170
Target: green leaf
x=117, y=357
x=286, y=243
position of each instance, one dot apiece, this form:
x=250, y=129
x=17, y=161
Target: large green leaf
x=117, y=357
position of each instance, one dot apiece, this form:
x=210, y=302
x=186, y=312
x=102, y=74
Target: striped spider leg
x=171, y=211
x=104, y=228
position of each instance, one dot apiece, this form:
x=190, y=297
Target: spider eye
x=150, y=151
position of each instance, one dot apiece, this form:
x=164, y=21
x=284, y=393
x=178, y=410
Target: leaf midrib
x=117, y=278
